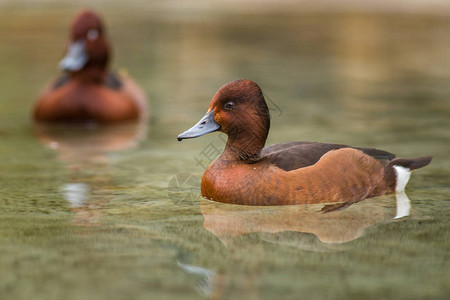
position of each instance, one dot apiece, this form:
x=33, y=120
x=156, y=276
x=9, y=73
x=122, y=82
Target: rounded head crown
x=239, y=105
x=86, y=25
x=238, y=92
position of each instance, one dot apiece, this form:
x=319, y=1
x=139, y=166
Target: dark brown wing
x=295, y=155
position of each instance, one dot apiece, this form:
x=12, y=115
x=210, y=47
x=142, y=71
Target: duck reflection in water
x=312, y=227
x=86, y=153
x=294, y=224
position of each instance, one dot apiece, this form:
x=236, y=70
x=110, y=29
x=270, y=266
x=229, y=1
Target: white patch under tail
x=403, y=175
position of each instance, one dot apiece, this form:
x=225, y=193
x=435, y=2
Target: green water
x=361, y=79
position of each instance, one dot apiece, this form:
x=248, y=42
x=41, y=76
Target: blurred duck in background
x=88, y=92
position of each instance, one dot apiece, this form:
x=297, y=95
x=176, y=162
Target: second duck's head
x=87, y=45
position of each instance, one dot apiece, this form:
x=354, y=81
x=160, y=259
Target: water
x=115, y=213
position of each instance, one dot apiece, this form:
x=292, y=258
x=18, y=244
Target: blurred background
x=360, y=61
x=95, y=219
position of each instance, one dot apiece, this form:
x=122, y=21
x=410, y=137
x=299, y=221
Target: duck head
x=87, y=45
x=239, y=110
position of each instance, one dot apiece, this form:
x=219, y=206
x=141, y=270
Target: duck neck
x=90, y=74
x=245, y=147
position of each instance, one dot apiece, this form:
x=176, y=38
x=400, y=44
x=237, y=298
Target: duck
x=87, y=91
x=290, y=173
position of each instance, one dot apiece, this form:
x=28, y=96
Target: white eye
x=229, y=105
x=92, y=34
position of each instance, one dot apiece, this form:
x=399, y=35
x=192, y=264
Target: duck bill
x=206, y=125
x=76, y=57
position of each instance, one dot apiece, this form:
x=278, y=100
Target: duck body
x=343, y=174
x=290, y=173
x=71, y=99
x=88, y=91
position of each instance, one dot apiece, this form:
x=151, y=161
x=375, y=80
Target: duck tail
x=403, y=168
x=411, y=163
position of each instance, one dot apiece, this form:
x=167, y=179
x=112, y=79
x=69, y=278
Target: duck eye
x=229, y=105
x=92, y=34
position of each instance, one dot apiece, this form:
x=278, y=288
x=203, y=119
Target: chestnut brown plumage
x=88, y=91
x=290, y=173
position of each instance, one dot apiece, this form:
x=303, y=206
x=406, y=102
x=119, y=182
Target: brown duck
x=88, y=92
x=289, y=173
